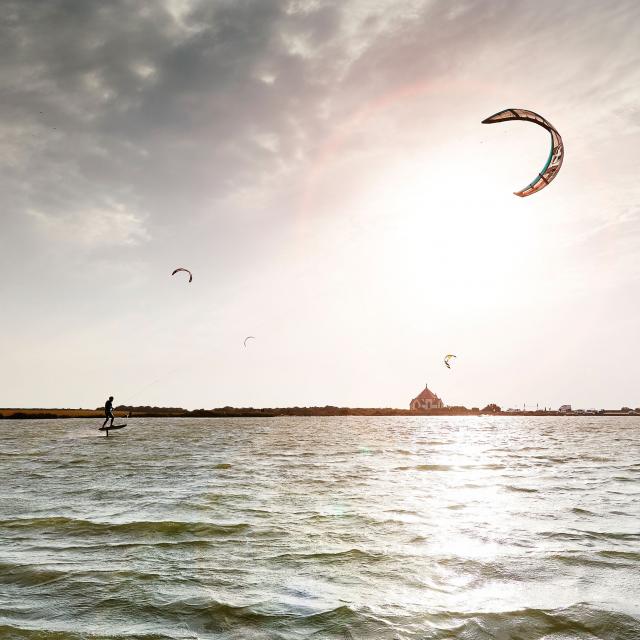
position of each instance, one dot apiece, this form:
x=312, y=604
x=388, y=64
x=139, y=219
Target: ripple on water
x=290, y=528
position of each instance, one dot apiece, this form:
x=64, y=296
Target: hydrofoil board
x=115, y=426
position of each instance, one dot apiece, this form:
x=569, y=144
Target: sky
x=322, y=169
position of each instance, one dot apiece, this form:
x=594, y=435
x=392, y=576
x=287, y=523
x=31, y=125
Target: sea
x=399, y=528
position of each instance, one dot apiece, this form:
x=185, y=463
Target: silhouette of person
x=108, y=412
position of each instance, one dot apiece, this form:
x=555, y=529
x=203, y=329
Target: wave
x=580, y=560
x=28, y=575
x=434, y=467
x=580, y=534
x=169, y=544
x=331, y=556
x=612, y=535
x=213, y=617
x=609, y=559
x=453, y=467
x=578, y=621
x=480, y=571
x=75, y=526
x=418, y=539
x=510, y=487
x=18, y=633
x=208, y=616
x=622, y=555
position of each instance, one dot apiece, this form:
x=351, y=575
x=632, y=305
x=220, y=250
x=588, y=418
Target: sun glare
x=435, y=212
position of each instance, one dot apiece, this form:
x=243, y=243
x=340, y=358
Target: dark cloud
x=125, y=103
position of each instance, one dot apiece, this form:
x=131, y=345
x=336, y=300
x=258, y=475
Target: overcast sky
x=322, y=169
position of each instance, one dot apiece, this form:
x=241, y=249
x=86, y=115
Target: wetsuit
x=108, y=412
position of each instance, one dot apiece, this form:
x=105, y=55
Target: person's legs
x=105, y=421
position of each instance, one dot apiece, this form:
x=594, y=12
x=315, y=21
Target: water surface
x=287, y=528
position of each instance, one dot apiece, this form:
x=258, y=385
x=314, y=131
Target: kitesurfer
x=108, y=412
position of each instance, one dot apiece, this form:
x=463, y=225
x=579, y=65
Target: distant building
x=426, y=400
x=565, y=408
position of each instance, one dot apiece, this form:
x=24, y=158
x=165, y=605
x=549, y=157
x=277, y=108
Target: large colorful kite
x=556, y=155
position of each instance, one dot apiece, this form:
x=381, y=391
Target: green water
x=289, y=528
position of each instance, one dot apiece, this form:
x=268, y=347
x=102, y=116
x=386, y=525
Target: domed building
x=426, y=399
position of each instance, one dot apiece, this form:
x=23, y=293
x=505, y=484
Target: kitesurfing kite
x=447, y=358
x=248, y=338
x=182, y=269
x=556, y=155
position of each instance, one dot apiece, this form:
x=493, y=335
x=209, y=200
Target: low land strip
x=250, y=412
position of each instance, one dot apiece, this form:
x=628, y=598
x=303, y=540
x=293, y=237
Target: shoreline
x=250, y=412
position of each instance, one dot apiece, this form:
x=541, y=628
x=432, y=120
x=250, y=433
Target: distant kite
x=447, y=358
x=248, y=338
x=185, y=270
x=556, y=155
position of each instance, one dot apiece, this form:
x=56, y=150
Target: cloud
x=189, y=110
x=178, y=102
x=92, y=228
x=161, y=105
